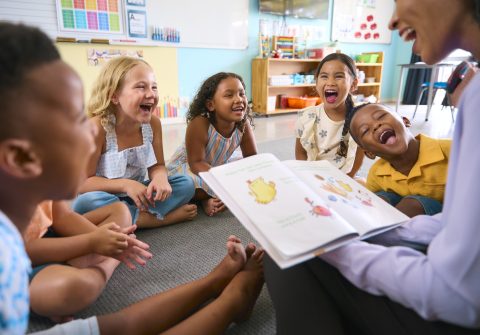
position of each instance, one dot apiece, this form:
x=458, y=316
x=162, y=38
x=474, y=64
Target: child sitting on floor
x=45, y=144
x=219, y=121
x=321, y=131
x=129, y=146
x=412, y=171
x=73, y=259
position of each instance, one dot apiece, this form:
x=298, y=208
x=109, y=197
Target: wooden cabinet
x=371, y=70
x=264, y=68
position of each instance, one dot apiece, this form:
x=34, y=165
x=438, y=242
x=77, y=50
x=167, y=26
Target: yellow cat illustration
x=262, y=191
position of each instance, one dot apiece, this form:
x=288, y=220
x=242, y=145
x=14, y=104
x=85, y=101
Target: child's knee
x=428, y=206
x=82, y=290
x=184, y=187
x=120, y=213
x=65, y=290
x=410, y=206
x=89, y=201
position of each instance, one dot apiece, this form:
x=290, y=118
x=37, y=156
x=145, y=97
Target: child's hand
x=107, y=240
x=138, y=193
x=136, y=252
x=161, y=187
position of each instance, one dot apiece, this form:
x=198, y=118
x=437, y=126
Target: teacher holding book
x=384, y=287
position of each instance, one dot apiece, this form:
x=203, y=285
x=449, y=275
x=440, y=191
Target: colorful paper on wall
x=87, y=16
x=98, y=57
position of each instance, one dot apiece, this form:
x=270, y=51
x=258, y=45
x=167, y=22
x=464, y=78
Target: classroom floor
x=282, y=126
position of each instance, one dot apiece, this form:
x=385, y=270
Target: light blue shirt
x=444, y=284
x=14, y=295
x=14, y=269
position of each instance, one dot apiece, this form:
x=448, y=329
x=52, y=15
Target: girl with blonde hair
x=128, y=164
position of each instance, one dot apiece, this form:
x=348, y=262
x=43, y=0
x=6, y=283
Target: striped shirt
x=219, y=150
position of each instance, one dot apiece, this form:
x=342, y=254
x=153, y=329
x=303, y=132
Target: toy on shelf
x=300, y=48
x=265, y=46
x=285, y=44
x=277, y=53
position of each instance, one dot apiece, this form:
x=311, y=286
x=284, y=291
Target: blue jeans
x=183, y=190
x=36, y=269
x=430, y=206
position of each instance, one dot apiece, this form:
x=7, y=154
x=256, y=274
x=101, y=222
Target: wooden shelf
x=283, y=110
x=371, y=70
x=287, y=86
x=264, y=68
x=369, y=64
x=295, y=60
x=368, y=84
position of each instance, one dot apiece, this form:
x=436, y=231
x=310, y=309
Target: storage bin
x=271, y=103
x=298, y=79
x=301, y=102
x=309, y=79
x=315, y=53
x=367, y=58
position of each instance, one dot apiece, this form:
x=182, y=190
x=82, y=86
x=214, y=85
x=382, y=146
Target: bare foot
x=87, y=261
x=233, y=262
x=186, y=212
x=212, y=206
x=250, y=249
x=245, y=287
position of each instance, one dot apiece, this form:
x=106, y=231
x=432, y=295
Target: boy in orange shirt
x=74, y=256
x=412, y=171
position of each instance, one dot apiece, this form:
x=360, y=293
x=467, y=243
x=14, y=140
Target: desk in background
x=433, y=77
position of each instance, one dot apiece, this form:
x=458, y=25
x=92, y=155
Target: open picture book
x=298, y=210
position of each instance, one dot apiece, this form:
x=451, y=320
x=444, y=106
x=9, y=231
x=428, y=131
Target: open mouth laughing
x=238, y=109
x=387, y=137
x=408, y=34
x=146, y=108
x=331, y=96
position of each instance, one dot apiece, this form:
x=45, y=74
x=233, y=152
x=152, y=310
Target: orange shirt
x=41, y=220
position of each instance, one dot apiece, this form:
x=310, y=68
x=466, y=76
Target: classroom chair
x=438, y=85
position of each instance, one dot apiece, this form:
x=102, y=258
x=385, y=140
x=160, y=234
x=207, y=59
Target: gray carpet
x=182, y=253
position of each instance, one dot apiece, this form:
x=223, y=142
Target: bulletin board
x=90, y=16
x=362, y=21
x=185, y=23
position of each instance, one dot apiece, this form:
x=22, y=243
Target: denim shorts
x=430, y=206
x=36, y=269
x=183, y=190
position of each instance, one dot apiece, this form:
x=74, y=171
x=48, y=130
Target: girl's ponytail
x=343, y=148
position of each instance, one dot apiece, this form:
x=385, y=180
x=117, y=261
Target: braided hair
x=207, y=90
x=352, y=69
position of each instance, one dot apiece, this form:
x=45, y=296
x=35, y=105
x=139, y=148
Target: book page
x=288, y=214
x=240, y=214
x=357, y=205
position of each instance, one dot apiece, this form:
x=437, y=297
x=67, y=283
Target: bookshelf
x=372, y=70
x=264, y=68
